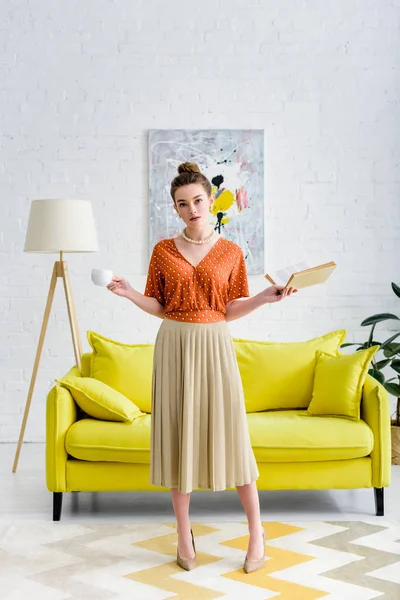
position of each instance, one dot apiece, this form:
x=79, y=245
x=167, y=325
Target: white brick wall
x=82, y=82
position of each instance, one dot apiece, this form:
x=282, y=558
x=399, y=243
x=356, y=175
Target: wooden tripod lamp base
x=57, y=226
x=60, y=270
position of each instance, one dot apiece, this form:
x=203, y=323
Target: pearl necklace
x=188, y=239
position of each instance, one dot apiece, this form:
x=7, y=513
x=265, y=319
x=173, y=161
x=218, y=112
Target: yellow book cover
x=301, y=275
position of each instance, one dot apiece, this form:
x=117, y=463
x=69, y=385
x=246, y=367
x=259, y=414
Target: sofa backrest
x=85, y=370
x=280, y=375
x=275, y=375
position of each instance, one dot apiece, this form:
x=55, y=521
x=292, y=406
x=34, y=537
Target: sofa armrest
x=61, y=413
x=375, y=411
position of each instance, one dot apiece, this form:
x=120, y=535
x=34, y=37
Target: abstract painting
x=233, y=161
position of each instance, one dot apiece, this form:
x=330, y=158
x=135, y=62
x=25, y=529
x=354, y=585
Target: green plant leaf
x=378, y=318
x=389, y=340
x=396, y=365
x=396, y=289
x=391, y=350
x=381, y=364
x=349, y=344
x=393, y=389
x=378, y=375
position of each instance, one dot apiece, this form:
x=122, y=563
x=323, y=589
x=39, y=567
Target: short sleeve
x=238, y=283
x=155, y=280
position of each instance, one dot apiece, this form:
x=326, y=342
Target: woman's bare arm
x=243, y=306
x=122, y=287
x=146, y=303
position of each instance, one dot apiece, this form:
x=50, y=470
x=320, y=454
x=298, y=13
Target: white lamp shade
x=61, y=226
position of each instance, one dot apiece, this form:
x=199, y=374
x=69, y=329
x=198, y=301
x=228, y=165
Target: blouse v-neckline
x=202, y=260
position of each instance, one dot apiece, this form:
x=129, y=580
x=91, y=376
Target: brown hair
x=189, y=173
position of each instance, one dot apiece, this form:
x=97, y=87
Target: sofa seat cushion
x=289, y=436
x=276, y=436
x=94, y=440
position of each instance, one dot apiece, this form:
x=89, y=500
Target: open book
x=301, y=275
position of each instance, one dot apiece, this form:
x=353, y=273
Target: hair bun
x=188, y=167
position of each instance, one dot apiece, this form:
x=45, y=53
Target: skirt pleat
x=199, y=431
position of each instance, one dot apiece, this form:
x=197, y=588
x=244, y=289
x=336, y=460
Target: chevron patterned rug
x=305, y=560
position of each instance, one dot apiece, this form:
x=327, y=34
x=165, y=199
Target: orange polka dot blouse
x=197, y=294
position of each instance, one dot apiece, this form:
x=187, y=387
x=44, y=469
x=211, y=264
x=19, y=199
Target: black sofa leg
x=379, y=501
x=57, y=505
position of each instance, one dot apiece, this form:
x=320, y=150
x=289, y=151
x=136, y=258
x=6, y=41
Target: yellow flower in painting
x=224, y=201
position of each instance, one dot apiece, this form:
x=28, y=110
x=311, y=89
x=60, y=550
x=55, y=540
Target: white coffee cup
x=101, y=277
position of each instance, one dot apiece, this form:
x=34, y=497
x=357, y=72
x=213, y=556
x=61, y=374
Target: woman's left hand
x=276, y=293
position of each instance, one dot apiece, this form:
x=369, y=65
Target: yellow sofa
x=292, y=452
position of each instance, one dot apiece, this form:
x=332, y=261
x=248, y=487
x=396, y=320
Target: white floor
x=24, y=496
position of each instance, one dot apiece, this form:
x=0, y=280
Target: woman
x=199, y=436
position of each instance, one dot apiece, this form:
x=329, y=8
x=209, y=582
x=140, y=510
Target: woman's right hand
x=119, y=286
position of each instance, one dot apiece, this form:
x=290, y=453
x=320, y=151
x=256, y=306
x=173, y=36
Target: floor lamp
x=57, y=226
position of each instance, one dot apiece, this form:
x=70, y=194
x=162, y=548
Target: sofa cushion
x=125, y=367
x=287, y=436
x=281, y=436
x=99, y=400
x=93, y=440
x=338, y=383
x=279, y=375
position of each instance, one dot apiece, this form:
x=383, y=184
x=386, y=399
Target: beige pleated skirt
x=199, y=431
